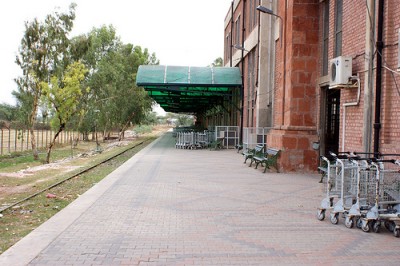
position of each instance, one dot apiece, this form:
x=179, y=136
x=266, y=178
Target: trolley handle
x=327, y=158
x=376, y=160
x=376, y=154
x=343, y=155
x=358, y=158
x=389, y=154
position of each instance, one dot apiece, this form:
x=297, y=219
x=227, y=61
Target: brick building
x=296, y=79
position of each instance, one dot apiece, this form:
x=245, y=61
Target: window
x=253, y=13
x=251, y=84
x=338, y=27
x=332, y=118
x=228, y=47
x=325, y=38
x=237, y=33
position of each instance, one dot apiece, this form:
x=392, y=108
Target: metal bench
x=269, y=158
x=250, y=153
x=217, y=144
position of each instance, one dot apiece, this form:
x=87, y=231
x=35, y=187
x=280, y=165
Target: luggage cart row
x=193, y=140
x=366, y=191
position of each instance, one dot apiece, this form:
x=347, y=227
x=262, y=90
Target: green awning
x=183, y=89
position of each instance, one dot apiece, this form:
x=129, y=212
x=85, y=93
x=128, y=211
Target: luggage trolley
x=365, y=187
x=341, y=183
x=386, y=209
x=330, y=187
x=348, y=174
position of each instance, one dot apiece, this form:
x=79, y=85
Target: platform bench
x=250, y=153
x=269, y=158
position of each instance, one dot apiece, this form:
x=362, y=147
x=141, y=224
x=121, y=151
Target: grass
x=20, y=220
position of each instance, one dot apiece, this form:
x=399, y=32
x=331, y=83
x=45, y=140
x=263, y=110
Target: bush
x=141, y=129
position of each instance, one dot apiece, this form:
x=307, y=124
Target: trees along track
x=70, y=177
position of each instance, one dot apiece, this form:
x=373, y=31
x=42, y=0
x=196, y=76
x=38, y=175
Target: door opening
x=332, y=121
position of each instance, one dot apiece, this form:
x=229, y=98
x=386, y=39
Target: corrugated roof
x=188, y=89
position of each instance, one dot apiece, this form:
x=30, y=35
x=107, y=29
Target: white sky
x=180, y=32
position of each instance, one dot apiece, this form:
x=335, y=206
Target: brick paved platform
x=167, y=206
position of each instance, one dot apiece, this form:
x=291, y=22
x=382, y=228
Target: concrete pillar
x=295, y=105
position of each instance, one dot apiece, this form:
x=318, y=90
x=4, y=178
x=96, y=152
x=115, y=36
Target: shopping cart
x=365, y=188
x=386, y=209
x=340, y=186
x=192, y=140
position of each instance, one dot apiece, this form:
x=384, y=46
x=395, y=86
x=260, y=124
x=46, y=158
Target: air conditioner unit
x=340, y=71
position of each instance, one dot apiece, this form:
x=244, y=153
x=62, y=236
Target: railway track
x=85, y=170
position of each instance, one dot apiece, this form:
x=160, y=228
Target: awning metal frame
x=189, y=89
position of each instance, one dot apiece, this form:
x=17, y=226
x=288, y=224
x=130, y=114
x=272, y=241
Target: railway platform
x=168, y=206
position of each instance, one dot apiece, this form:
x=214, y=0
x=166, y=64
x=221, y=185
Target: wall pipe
x=369, y=77
x=284, y=63
x=345, y=105
x=231, y=38
x=242, y=64
x=378, y=86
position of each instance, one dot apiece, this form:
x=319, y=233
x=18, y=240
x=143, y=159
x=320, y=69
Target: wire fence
x=18, y=140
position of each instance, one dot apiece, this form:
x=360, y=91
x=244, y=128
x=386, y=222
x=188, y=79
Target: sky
x=179, y=32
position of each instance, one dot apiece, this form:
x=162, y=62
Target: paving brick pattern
x=168, y=206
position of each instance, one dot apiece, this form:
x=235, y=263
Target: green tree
x=8, y=112
x=64, y=97
x=112, y=72
x=185, y=120
x=218, y=62
x=43, y=52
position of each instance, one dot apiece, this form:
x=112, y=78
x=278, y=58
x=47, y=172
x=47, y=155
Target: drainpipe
x=284, y=63
x=242, y=63
x=368, y=84
x=258, y=68
x=378, y=86
x=231, y=49
x=258, y=46
x=345, y=105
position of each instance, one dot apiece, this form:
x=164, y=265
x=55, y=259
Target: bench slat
x=269, y=158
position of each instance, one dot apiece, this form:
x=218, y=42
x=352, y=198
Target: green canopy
x=183, y=89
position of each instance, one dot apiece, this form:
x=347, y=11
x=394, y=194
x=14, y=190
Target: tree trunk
x=32, y=120
x=51, y=144
x=75, y=141
x=121, y=132
x=33, y=144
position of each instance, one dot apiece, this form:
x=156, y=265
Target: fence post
x=22, y=140
x=37, y=138
x=1, y=145
x=27, y=139
x=15, y=139
x=9, y=140
x=41, y=136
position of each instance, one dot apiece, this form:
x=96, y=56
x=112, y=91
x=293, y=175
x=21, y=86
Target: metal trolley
x=340, y=187
x=365, y=190
x=386, y=207
x=193, y=140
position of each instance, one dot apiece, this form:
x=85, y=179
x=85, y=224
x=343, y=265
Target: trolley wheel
x=396, y=232
x=334, y=218
x=389, y=226
x=366, y=228
x=321, y=215
x=349, y=222
x=359, y=223
x=376, y=227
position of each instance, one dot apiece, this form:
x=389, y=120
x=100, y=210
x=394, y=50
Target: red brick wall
x=390, y=132
x=354, y=41
x=296, y=74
